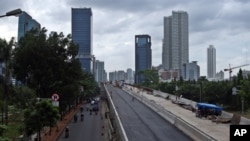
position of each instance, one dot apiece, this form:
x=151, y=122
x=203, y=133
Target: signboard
x=234, y=91
x=55, y=97
x=55, y=103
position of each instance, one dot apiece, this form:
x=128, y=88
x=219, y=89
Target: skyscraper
x=26, y=23
x=175, y=48
x=191, y=71
x=211, y=61
x=100, y=71
x=130, y=76
x=82, y=36
x=143, y=56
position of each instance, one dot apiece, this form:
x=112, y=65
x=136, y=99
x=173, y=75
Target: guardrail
x=119, y=127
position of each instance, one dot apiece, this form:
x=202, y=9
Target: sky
x=225, y=24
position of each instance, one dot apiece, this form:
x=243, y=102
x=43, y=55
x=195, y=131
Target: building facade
x=143, y=56
x=25, y=24
x=220, y=76
x=82, y=36
x=99, y=71
x=191, y=71
x=130, y=76
x=175, y=47
x=211, y=62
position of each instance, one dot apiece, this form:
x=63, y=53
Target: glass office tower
x=82, y=36
x=143, y=56
x=26, y=23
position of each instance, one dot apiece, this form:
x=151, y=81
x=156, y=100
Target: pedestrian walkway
x=57, y=131
x=218, y=131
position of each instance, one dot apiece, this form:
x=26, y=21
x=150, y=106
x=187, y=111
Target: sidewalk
x=57, y=131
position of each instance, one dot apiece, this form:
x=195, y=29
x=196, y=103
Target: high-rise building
x=175, y=47
x=100, y=71
x=82, y=36
x=25, y=24
x=191, y=71
x=143, y=56
x=130, y=76
x=211, y=61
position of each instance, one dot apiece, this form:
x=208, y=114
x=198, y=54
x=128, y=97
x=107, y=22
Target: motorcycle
x=90, y=112
x=75, y=118
x=82, y=117
x=66, y=132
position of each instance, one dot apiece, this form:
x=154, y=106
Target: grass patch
x=13, y=130
x=15, y=125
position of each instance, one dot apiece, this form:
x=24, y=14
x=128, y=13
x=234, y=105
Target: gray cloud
x=223, y=23
x=8, y=5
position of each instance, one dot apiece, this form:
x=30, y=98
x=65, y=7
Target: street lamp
x=12, y=13
x=200, y=91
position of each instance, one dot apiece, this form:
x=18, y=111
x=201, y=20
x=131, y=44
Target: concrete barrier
x=192, y=131
x=118, y=125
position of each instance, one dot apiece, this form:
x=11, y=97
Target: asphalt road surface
x=87, y=130
x=140, y=122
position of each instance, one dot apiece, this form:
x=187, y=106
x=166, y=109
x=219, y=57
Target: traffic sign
x=55, y=97
x=234, y=91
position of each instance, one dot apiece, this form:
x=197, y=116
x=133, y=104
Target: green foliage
x=216, y=92
x=48, y=65
x=244, y=91
x=4, y=139
x=3, y=128
x=42, y=114
x=6, y=58
x=22, y=96
x=151, y=79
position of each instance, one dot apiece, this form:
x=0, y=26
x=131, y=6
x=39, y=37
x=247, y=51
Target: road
x=140, y=122
x=89, y=129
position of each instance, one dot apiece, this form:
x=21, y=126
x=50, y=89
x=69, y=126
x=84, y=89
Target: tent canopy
x=209, y=106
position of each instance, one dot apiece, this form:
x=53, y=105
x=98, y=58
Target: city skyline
x=116, y=23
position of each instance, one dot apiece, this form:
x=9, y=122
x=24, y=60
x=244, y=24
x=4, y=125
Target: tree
x=3, y=129
x=49, y=65
x=5, y=58
x=244, y=91
x=22, y=96
x=42, y=114
x=151, y=78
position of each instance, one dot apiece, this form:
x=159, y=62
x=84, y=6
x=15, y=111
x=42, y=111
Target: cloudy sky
x=222, y=23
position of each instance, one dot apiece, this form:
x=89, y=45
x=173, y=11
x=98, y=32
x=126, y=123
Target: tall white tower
x=211, y=62
x=175, y=48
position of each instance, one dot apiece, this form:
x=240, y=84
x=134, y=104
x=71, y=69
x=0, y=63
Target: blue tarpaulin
x=209, y=106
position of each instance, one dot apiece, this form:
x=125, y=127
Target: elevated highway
x=140, y=122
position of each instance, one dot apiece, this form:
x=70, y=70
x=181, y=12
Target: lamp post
x=12, y=13
x=200, y=91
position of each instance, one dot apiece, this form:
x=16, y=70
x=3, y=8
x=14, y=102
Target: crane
x=230, y=69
